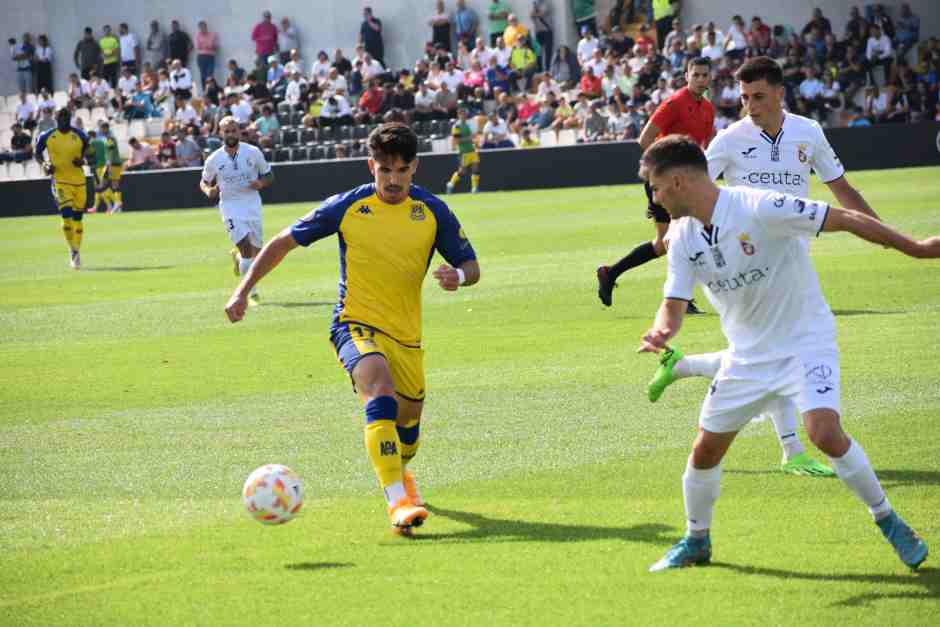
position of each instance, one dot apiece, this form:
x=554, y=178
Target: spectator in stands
x=877, y=16
x=275, y=73
x=907, y=32
x=819, y=21
x=481, y=53
x=514, y=30
x=371, y=67
x=473, y=79
x=130, y=48
x=294, y=93
x=452, y=76
x=46, y=121
x=663, y=91
x=543, y=118
x=544, y=33
x=586, y=45
x=597, y=64
x=370, y=103
x=148, y=78
x=23, y=56
x=496, y=77
x=712, y=50
x=126, y=86
x=266, y=126
x=164, y=91
x=110, y=55
x=27, y=114
x=142, y=156
x=188, y=152
x=334, y=82
x=899, y=107
x=179, y=44
x=207, y=46
x=87, y=55
x=44, y=100
x=288, y=38
x=424, y=103
x=497, y=19
x=370, y=35
x=878, y=52
x=523, y=63
x=876, y=104
x=264, y=35
x=466, y=23
x=440, y=25
x=595, y=124
x=736, y=39
x=336, y=112
x=675, y=34
x=181, y=80
x=619, y=125
x=445, y=103
x=320, y=69
x=645, y=42
x=21, y=146
x=565, y=68
x=185, y=115
x=811, y=102
x=856, y=29
x=166, y=151
x=212, y=93
x=42, y=64
x=157, y=46
x=496, y=133
x=341, y=63
x=236, y=75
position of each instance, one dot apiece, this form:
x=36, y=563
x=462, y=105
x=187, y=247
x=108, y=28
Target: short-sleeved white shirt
x=236, y=198
x=753, y=267
x=748, y=156
x=128, y=47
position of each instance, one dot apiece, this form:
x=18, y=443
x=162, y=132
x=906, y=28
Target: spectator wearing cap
x=586, y=45
x=466, y=23
x=179, y=44
x=440, y=25
x=275, y=72
x=264, y=34
x=157, y=46
x=207, y=46
x=288, y=38
x=370, y=35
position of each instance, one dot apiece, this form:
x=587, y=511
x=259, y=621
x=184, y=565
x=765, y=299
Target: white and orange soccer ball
x=273, y=494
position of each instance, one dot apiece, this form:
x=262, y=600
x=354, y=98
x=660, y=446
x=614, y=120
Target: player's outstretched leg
x=607, y=275
x=674, y=365
x=454, y=179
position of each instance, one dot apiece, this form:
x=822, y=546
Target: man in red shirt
x=264, y=35
x=686, y=112
x=370, y=103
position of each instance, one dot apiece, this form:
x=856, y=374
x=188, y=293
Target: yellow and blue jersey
x=63, y=149
x=384, y=254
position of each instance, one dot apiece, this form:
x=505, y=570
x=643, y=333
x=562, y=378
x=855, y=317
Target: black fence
x=872, y=148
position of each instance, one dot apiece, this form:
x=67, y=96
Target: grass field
x=131, y=412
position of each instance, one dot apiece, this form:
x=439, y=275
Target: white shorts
x=741, y=391
x=821, y=379
x=238, y=229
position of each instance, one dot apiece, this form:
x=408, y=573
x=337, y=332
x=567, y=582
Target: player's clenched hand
x=447, y=277
x=235, y=308
x=654, y=341
x=256, y=184
x=212, y=192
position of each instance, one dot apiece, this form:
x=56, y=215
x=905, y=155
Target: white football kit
x=750, y=265
x=748, y=156
x=239, y=203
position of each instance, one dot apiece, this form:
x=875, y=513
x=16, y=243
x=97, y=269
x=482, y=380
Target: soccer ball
x=273, y=494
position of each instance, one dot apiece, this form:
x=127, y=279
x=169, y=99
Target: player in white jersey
x=746, y=248
x=234, y=174
x=775, y=150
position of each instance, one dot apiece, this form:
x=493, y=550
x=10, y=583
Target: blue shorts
x=352, y=341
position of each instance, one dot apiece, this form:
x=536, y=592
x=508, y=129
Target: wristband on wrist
x=461, y=277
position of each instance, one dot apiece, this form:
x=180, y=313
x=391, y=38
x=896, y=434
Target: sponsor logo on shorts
x=741, y=280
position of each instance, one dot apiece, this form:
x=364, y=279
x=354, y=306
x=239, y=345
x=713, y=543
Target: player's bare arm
x=648, y=135
x=449, y=278
x=269, y=258
x=850, y=198
x=668, y=322
x=262, y=181
x=872, y=230
x=211, y=190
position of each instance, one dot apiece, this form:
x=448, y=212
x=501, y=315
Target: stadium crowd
x=502, y=68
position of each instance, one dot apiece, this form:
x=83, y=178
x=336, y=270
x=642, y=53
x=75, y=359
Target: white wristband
x=461, y=277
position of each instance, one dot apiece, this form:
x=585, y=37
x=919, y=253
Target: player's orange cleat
x=411, y=488
x=405, y=516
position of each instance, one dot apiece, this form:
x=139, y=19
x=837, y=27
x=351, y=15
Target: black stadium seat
x=290, y=137
x=297, y=118
x=361, y=131
x=308, y=136
x=301, y=153
x=327, y=134
x=281, y=155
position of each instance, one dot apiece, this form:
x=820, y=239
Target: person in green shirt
x=110, y=56
x=112, y=170
x=498, y=15
x=585, y=14
x=663, y=12
x=523, y=62
x=98, y=163
x=461, y=137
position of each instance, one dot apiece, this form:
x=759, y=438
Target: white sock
x=705, y=365
x=700, y=489
x=856, y=472
x=783, y=413
x=394, y=492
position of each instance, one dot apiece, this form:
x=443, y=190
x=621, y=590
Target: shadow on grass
x=867, y=312
x=318, y=565
x=927, y=578
x=299, y=304
x=125, y=268
x=500, y=530
x=889, y=478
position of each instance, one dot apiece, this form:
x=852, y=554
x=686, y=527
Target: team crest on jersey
x=746, y=244
x=417, y=213
x=801, y=153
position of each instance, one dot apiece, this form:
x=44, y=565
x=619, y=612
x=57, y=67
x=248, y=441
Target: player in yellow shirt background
x=388, y=231
x=461, y=137
x=66, y=148
x=114, y=165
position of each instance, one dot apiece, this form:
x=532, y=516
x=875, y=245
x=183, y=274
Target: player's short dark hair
x=698, y=61
x=393, y=139
x=760, y=68
x=673, y=151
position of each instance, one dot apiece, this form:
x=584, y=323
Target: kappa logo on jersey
x=417, y=213
x=746, y=245
x=749, y=153
x=364, y=210
x=801, y=153
x=741, y=280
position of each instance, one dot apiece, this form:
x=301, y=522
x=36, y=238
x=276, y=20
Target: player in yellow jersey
x=66, y=148
x=388, y=231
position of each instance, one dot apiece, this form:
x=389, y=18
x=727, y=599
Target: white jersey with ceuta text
x=237, y=199
x=748, y=156
x=749, y=263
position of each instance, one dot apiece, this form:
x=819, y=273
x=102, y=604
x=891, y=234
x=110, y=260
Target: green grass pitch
x=131, y=412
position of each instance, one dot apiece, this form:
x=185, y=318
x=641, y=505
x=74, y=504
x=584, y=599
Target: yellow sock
x=455, y=178
x=475, y=181
x=409, y=435
x=97, y=200
x=77, y=231
x=118, y=198
x=384, y=451
x=67, y=231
